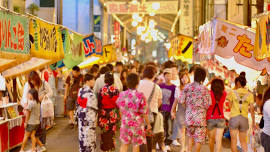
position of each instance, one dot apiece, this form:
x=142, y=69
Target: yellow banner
x=46, y=40
x=182, y=48
x=262, y=40
x=109, y=53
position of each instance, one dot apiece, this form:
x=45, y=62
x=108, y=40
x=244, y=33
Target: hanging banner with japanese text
x=205, y=38
x=182, y=48
x=186, y=17
x=92, y=45
x=73, y=48
x=14, y=33
x=109, y=53
x=47, y=40
x=233, y=40
x=262, y=43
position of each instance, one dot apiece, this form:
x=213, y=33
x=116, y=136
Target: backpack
x=241, y=100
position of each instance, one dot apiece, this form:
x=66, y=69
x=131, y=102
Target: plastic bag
x=256, y=139
x=47, y=108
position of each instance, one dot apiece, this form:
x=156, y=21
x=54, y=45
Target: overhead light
x=152, y=14
x=134, y=23
x=139, y=19
x=152, y=24
x=135, y=16
x=155, y=6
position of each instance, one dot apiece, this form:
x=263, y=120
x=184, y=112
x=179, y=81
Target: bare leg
x=190, y=144
x=124, y=147
x=219, y=134
x=183, y=139
x=211, y=135
x=233, y=134
x=136, y=148
x=71, y=116
x=39, y=142
x=197, y=147
x=34, y=141
x=26, y=136
x=243, y=140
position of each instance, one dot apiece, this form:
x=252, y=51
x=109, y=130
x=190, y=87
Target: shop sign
x=182, y=47
x=116, y=34
x=186, y=17
x=236, y=41
x=14, y=33
x=262, y=44
x=97, y=23
x=161, y=7
x=47, y=40
x=109, y=53
x=92, y=45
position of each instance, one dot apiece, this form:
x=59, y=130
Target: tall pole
x=77, y=15
x=91, y=15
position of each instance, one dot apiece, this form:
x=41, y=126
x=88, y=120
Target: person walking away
x=100, y=81
x=215, y=116
x=265, y=136
x=87, y=115
x=153, y=94
x=133, y=109
x=73, y=84
x=197, y=100
x=241, y=100
x=168, y=91
x=179, y=116
x=109, y=113
x=32, y=120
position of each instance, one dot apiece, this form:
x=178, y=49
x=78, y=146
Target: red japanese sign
x=116, y=34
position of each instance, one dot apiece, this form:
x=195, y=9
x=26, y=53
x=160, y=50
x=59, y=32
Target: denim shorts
x=215, y=123
x=239, y=123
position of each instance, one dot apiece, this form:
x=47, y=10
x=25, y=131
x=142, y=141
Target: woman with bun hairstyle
x=240, y=102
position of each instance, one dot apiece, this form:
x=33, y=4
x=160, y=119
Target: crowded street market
x=134, y=75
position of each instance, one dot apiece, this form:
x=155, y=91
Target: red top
x=218, y=111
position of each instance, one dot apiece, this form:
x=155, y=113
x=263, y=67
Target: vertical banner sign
x=97, y=23
x=47, y=40
x=92, y=45
x=205, y=38
x=109, y=53
x=232, y=40
x=14, y=33
x=182, y=48
x=262, y=41
x=186, y=23
x=116, y=34
x=73, y=47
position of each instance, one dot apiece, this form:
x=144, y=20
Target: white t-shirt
x=266, y=117
x=146, y=87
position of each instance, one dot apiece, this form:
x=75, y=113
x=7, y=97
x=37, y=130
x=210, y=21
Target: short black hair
x=110, y=66
x=104, y=70
x=96, y=66
x=149, y=72
x=76, y=68
x=88, y=77
x=132, y=80
x=167, y=64
x=119, y=63
x=109, y=79
x=243, y=74
x=93, y=70
x=199, y=74
x=242, y=80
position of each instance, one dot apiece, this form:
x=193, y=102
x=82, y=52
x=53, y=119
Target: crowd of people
x=153, y=107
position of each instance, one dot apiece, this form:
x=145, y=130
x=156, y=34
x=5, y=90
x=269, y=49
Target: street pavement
x=63, y=139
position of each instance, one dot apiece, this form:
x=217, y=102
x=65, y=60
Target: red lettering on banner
x=90, y=47
x=123, y=8
x=20, y=36
x=244, y=46
x=133, y=8
x=7, y=33
x=13, y=43
x=113, y=8
x=98, y=46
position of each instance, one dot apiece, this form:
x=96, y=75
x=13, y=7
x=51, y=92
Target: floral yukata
x=197, y=99
x=132, y=105
x=108, y=116
x=87, y=119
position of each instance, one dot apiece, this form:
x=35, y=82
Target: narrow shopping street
x=63, y=139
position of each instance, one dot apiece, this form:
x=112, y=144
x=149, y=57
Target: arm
x=67, y=88
x=147, y=121
x=173, y=111
x=27, y=117
x=24, y=96
x=252, y=114
x=49, y=91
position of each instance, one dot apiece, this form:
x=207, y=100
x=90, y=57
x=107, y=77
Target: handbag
x=47, y=108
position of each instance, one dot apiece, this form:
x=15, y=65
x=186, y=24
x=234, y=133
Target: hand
x=65, y=99
x=254, y=127
x=41, y=97
x=25, y=124
x=173, y=115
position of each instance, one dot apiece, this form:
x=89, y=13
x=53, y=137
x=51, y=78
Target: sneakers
x=43, y=149
x=176, y=143
x=157, y=147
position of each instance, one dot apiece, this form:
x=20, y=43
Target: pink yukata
x=132, y=105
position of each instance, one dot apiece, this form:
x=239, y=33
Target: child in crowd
x=32, y=120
